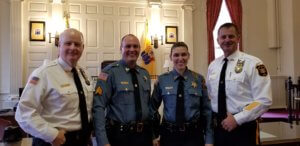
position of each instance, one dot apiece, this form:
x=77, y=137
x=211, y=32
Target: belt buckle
x=139, y=127
x=182, y=128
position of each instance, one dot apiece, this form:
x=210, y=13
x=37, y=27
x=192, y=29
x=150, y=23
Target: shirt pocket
x=194, y=97
x=235, y=83
x=169, y=97
x=89, y=96
x=124, y=94
x=67, y=97
x=237, y=77
x=146, y=92
x=213, y=81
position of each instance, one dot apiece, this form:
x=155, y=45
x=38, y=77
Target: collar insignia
x=194, y=84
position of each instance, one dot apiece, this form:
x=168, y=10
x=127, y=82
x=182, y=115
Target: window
x=224, y=17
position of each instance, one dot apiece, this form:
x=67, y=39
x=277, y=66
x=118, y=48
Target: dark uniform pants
x=244, y=135
x=129, y=138
x=191, y=137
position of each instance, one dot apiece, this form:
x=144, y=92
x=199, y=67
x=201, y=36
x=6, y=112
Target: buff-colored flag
x=148, y=54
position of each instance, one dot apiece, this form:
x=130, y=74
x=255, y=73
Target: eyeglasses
x=129, y=46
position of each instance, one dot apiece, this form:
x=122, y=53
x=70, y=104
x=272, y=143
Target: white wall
x=255, y=33
x=296, y=18
x=103, y=24
x=200, y=37
x=286, y=38
x=289, y=38
x=4, y=46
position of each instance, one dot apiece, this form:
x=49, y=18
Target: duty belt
x=128, y=127
x=173, y=127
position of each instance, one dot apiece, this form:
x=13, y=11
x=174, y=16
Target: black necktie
x=180, y=102
x=222, y=112
x=137, y=98
x=82, y=103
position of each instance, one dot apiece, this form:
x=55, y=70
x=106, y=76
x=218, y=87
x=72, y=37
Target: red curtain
x=236, y=13
x=212, y=14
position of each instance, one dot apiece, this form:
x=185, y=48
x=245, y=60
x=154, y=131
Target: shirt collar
x=123, y=63
x=64, y=65
x=233, y=56
x=176, y=74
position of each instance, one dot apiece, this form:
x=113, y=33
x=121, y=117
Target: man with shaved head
x=55, y=107
x=121, y=101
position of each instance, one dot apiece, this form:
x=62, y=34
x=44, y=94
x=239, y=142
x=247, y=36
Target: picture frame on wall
x=171, y=34
x=37, y=31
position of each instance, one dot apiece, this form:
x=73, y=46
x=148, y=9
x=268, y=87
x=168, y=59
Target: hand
x=107, y=145
x=60, y=139
x=229, y=123
x=209, y=145
x=156, y=142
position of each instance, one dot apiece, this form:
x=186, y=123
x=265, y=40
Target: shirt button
x=81, y=92
x=135, y=85
x=179, y=95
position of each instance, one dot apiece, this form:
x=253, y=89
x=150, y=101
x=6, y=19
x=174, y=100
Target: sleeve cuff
x=239, y=118
x=52, y=134
x=209, y=139
x=102, y=140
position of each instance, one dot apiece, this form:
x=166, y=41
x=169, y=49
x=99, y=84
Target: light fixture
x=154, y=41
x=56, y=38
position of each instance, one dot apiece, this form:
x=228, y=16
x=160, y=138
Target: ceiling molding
x=140, y=1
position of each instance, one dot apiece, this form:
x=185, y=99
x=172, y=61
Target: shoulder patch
x=34, y=80
x=262, y=70
x=103, y=76
x=99, y=91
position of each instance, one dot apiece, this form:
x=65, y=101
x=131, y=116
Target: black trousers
x=244, y=135
x=129, y=138
x=191, y=137
x=72, y=139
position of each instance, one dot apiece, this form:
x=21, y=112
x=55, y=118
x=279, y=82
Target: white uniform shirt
x=248, y=93
x=50, y=101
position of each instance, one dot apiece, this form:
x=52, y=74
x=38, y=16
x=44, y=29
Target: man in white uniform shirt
x=240, y=90
x=55, y=107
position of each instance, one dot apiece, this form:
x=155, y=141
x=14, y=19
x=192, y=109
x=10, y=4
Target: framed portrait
x=37, y=31
x=171, y=34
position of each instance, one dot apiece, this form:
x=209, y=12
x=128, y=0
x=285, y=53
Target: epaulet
x=251, y=58
x=141, y=68
x=45, y=66
x=166, y=73
x=198, y=76
x=195, y=75
x=51, y=63
x=110, y=66
x=85, y=76
x=105, y=71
